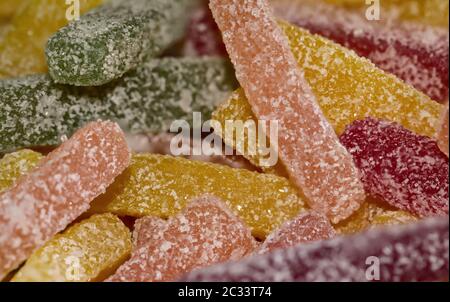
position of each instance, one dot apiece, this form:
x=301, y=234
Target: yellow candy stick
x=87, y=251
x=23, y=44
x=156, y=185
x=372, y=213
x=14, y=165
x=347, y=88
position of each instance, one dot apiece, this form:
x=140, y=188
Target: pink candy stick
x=277, y=90
x=205, y=233
x=45, y=201
x=305, y=228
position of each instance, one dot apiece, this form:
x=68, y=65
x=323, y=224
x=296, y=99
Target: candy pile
x=91, y=188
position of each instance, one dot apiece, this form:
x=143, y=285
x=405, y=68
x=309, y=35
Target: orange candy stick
x=45, y=201
x=205, y=233
x=277, y=90
x=307, y=227
x=442, y=134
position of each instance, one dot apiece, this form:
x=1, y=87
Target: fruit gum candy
x=428, y=12
x=38, y=112
x=442, y=131
x=406, y=170
x=373, y=213
x=157, y=185
x=147, y=229
x=305, y=228
x=90, y=250
x=22, y=48
x=328, y=69
x=417, y=54
x=113, y=39
x=415, y=252
x=14, y=165
x=309, y=149
x=204, y=233
x=45, y=201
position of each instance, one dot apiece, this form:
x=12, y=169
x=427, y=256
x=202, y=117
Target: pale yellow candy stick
x=87, y=251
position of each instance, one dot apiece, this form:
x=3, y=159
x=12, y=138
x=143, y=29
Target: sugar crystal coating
x=305, y=228
x=405, y=169
x=205, y=233
x=347, y=87
x=14, y=165
x=113, y=39
x=442, y=131
x=23, y=43
x=157, y=185
x=276, y=89
x=417, y=54
x=45, y=201
x=87, y=251
x=416, y=252
x=373, y=213
x=146, y=229
x=37, y=112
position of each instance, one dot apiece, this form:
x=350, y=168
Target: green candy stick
x=113, y=39
x=37, y=112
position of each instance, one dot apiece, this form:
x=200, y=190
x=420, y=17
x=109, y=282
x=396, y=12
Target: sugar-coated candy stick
x=23, y=44
x=276, y=89
x=157, y=185
x=416, y=252
x=417, y=54
x=428, y=12
x=14, y=165
x=205, y=233
x=113, y=39
x=347, y=87
x=161, y=144
x=37, y=112
x=405, y=169
x=393, y=218
x=373, y=213
x=203, y=37
x=60, y=189
x=147, y=229
x=90, y=250
x=305, y=228
x=442, y=131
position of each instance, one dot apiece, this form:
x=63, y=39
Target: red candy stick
x=206, y=232
x=416, y=252
x=442, y=133
x=307, y=227
x=46, y=200
x=277, y=90
x=405, y=169
x=417, y=54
